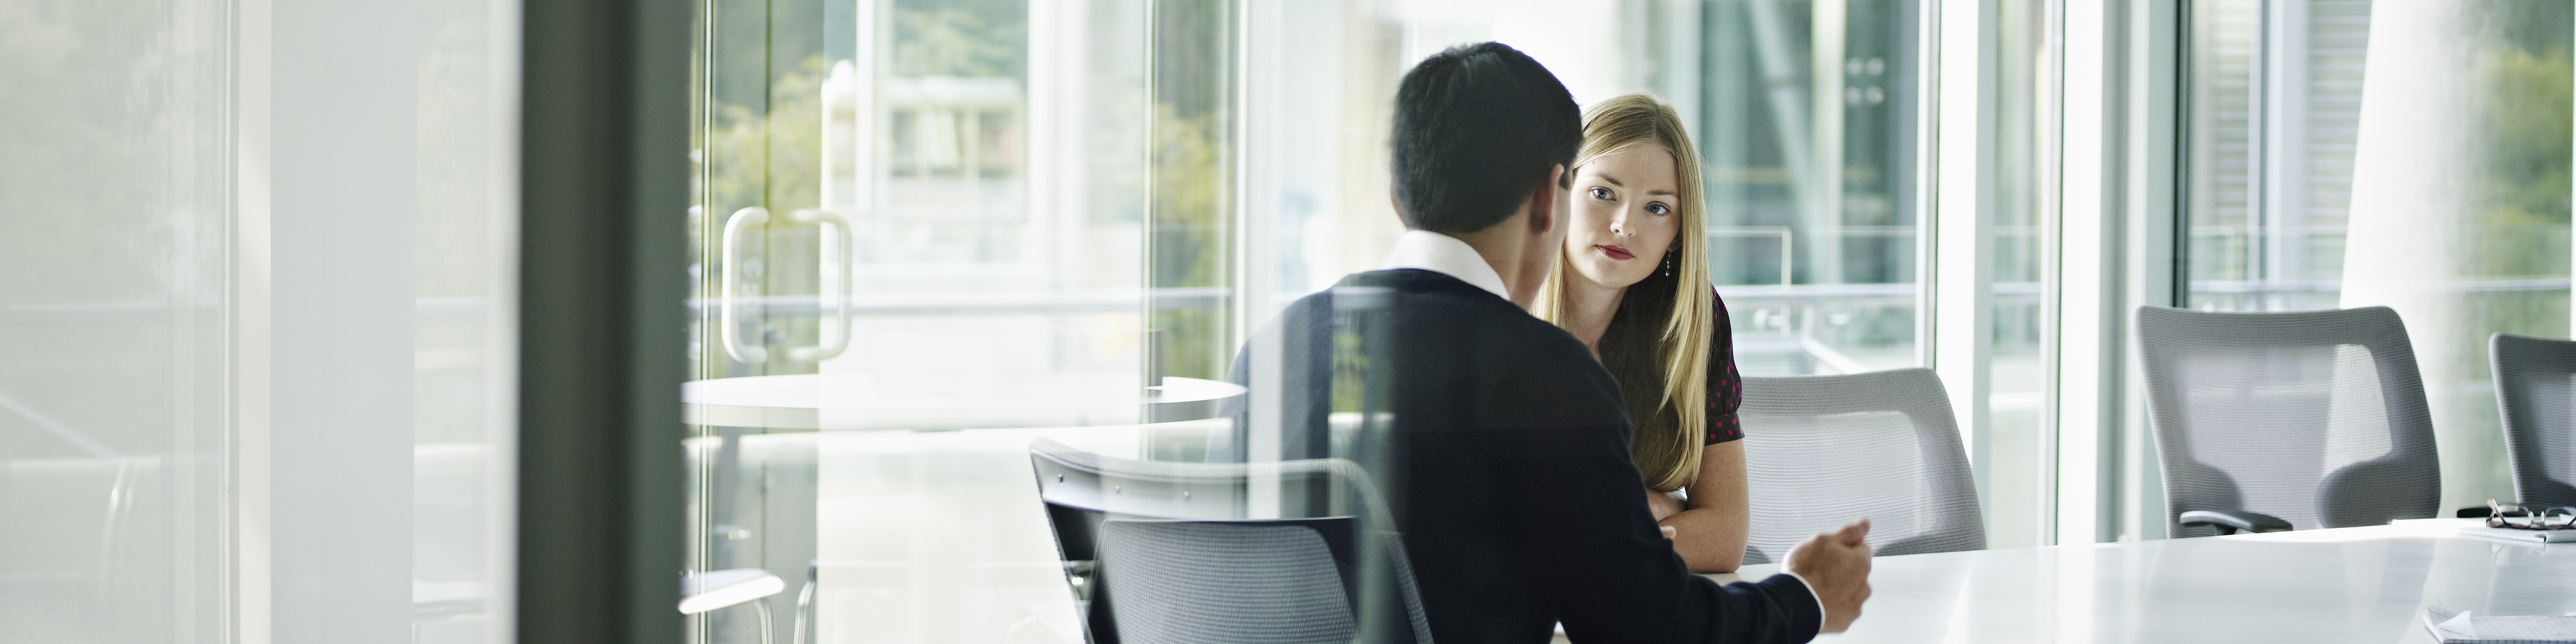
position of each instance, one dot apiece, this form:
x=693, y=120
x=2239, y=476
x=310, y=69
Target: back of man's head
x=1476, y=129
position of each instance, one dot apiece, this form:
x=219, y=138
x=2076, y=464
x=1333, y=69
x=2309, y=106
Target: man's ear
x=1542, y=206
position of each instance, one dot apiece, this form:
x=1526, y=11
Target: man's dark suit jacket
x=1509, y=474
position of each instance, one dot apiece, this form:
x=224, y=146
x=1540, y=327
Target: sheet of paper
x=2525, y=629
x=2464, y=628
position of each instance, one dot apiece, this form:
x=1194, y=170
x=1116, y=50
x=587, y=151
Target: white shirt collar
x=1446, y=255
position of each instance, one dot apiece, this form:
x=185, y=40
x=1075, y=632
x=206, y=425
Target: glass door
x=921, y=239
x=757, y=230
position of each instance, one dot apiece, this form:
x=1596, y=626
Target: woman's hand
x=1663, y=505
x=1719, y=519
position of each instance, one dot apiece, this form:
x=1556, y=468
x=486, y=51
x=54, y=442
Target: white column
x=1962, y=284
x=2088, y=291
x=2116, y=254
x=1822, y=239
x=247, y=463
x=2146, y=247
x=1262, y=47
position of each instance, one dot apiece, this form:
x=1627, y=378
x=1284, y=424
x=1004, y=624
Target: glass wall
x=112, y=425
x=2346, y=153
x=2275, y=114
x=257, y=303
x=927, y=232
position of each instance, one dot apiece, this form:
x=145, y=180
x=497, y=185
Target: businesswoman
x=1632, y=284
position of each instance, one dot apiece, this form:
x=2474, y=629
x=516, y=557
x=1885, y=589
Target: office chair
x=1164, y=551
x=2535, y=381
x=1822, y=450
x=2274, y=421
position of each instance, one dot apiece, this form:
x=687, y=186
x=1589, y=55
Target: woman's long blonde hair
x=1658, y=341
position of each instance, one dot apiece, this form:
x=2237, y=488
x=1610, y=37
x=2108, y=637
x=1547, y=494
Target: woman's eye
x=1658, y=209
x=1600, y=193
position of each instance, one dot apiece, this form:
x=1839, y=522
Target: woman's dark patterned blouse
x=1725, y=386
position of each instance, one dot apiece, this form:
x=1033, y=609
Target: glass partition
x=929, y=233
x=926, y=233
x=113, y=192
x=257, y=322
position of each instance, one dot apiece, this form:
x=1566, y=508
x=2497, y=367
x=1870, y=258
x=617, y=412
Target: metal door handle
x=841, y=308
x=728, y=317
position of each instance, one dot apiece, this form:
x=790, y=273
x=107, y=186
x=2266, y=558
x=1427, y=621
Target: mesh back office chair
x=2535, y=380
x=2275, y=421
x=1184, y=582
x=1164, y=551
x=1822, y=450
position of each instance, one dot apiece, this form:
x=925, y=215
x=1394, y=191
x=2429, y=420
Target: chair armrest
x=2234, y=521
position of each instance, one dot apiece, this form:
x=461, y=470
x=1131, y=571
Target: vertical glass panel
x=114, y=192
x=928, y=232
x=2275, y=96
x=1190, y=252
x=2347, y=153
x=2016, y=472
x=1807, y=125
x=463, y=359
x=257, y=293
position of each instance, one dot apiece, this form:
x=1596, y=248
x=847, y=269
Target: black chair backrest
x=1255, y=582
x=1132, y=532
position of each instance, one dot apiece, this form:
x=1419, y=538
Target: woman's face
x=1626, y=208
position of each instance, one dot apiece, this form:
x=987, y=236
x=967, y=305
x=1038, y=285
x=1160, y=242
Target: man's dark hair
x=1476, y=129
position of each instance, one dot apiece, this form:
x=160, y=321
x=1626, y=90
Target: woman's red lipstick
x=1614, y=252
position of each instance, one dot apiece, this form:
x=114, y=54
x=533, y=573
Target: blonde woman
x=1632, y=284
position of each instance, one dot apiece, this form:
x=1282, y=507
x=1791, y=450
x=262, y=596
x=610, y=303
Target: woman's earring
x=1668, y=264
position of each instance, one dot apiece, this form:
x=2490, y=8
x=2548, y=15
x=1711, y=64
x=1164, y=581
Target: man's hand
x=1836, y=567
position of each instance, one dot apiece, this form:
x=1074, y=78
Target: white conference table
x=2342, y=585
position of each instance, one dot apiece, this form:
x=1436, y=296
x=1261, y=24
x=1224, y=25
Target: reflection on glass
x=990, y=160
x=2345, y=153
x=113, y=193
x=2270, y=151
x=1060, y=210
x=257, y=377
x=1190, y=236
